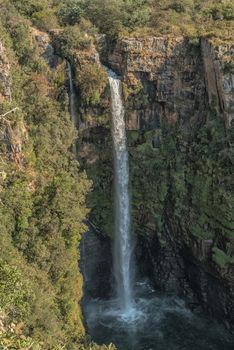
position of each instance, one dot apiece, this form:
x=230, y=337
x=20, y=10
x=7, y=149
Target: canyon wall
x=179, y=100
x=163, y=79
x=96, y=264
x=174, y=89
x=184, y=83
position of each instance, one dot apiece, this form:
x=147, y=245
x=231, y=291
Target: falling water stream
x=123, y=267
x=73, y=110
x=137, y=317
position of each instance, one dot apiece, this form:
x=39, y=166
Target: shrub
x=92, y=81
x=136, y=13
x=229, y=67
x=73, y=39
x=220, y=11
x=45, y=19
x=221, y=258
x=181, y=5
x=70, y=13
x=28, y=7
x=14, y=291
x=20, y=34
x=107, y=15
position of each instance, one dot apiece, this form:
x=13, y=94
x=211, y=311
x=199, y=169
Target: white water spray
x=123, y=241
x=73, y=110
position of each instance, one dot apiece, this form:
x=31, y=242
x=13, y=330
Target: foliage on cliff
x=42, y=196
x=42, y=189
x=190, y=17
x=190, y=179
x=193, y=18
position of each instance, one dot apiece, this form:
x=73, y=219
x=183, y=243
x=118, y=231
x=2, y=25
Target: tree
x=107, y=15
x=70, y=12
x=28, y=7
x=14, y=291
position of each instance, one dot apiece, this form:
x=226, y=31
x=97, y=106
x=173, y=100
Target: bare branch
x=11, y=111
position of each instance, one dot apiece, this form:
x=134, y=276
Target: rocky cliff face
x=5, y=77
x=172, y=88
x=96, y=264
x=164, y=80
x=170, y=73
x=180, y=82
x=11, y=136
x=14, y=134
x=219, y=78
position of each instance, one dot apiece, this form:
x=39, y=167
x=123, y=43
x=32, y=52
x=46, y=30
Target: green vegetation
x=43, y=190
x=42, y=197
x=45, y=19
x=101, y=200
x=14, y=291
x=193, y=18
x=70, y=12
x=71, y=40
x=221, y=258
x=92, y=88
x=29, y=7
x=194, y=184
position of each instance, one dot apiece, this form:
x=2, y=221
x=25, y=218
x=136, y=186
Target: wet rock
x=96, y=264
x=185, y=269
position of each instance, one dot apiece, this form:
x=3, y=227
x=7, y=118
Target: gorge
x=163, y=133
x=135, y=315
x=116, y=174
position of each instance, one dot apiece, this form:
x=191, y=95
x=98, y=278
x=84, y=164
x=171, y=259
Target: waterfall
x=123, y=241
x=73, y=111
